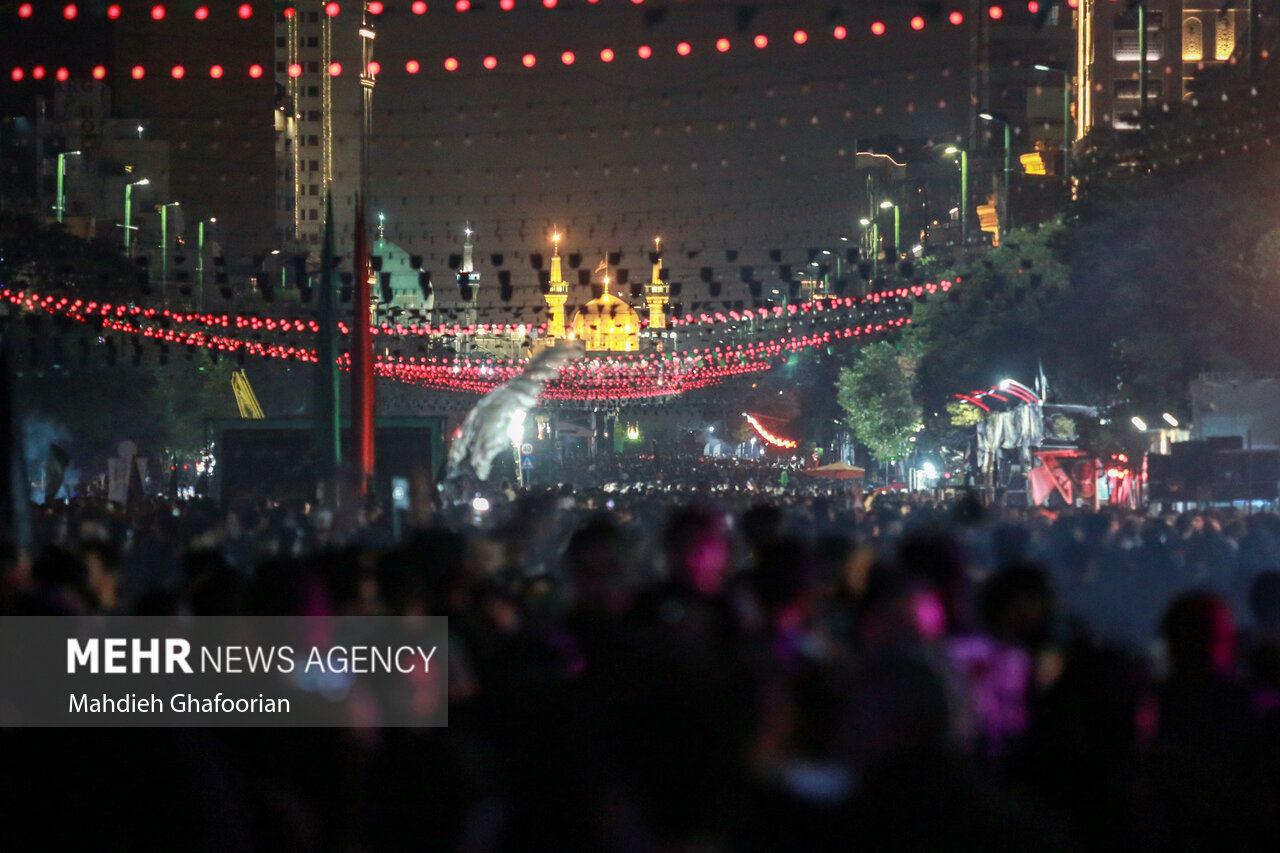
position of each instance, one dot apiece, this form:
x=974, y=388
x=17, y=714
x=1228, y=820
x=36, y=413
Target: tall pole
x=164, y=240
x=61, y=203
x=964, y=196
x=328, y=447
x=1066, y=128
x=1007, y=225
x=164, y=244
x=128, y=215
x=1142, y=62
x=897, y=232
x=362, y=374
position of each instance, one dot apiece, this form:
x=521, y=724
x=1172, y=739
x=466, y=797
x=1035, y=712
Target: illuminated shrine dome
x=607, y=323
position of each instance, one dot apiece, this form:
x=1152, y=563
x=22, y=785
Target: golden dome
x=607, y=323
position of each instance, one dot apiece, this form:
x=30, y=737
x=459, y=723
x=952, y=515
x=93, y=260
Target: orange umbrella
x=837, y=471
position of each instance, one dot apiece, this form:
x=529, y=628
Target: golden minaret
x=656, y=292
x=557, y=293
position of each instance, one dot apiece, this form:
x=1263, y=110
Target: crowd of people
x=645, y=667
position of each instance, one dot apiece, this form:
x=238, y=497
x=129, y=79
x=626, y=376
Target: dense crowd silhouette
x=650, y=667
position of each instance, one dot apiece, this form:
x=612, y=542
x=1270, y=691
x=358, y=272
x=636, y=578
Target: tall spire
x=657, y=291
x=467, y=264
x=557, y=291
x=468, y=278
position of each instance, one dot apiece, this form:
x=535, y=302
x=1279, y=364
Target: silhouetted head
x=1200, y=632
x=597, y=560
x=697, y=547
x=1264, y=598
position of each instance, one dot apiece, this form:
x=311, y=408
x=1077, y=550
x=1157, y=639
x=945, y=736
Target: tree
x=876, y=394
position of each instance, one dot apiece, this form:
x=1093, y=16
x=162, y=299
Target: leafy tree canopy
x=877, y=396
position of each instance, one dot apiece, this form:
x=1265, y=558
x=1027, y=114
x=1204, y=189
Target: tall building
x=317, y=122
x=1183, y=39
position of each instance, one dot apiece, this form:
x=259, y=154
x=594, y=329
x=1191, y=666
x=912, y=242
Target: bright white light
x=480, y=504
x=885, y=205
x=1170, y=419
x=515, y=431
x=711, y=429
x=929, y=470
x=1139, y=423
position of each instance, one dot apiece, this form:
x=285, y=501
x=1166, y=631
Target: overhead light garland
x=654, y=374
x=769, y=437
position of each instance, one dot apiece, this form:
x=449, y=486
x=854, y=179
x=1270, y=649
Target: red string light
x=775, y=440
x=607, y=376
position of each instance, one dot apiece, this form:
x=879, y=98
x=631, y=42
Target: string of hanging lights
x=612, y=376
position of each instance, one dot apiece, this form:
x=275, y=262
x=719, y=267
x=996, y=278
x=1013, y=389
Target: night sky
x=725, y=154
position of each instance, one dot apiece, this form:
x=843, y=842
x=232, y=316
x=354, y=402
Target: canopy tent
x=837, y=471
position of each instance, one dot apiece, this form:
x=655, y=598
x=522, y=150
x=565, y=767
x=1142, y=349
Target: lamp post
x=164, y=240
x=964, y=192
x=875, y=245
x=1006, y=220
x=1066, y=116
x=200, y=261
x=61, y=203
x=897, y=227
x=128, y=210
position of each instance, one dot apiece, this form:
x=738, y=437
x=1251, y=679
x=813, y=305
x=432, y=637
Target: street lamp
x=128, y=210
x=875, y=244
x=1066, y=115
x=964, y=191
x=61, y=204
x=1006, y=219
x=164, y=239
x=200, y=260
x=897, y=227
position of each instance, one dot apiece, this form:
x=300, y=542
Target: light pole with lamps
x=1066, y=115
x=128, y=210
x=61, y=201
x=875, y=245
x=200, y=260
x=1006, y=220
x=964, y=191
x=897, y=227
x=164, y=239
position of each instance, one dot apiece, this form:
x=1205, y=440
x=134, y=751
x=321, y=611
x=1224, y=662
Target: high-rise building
x=1183, y=38
x=317, y=122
